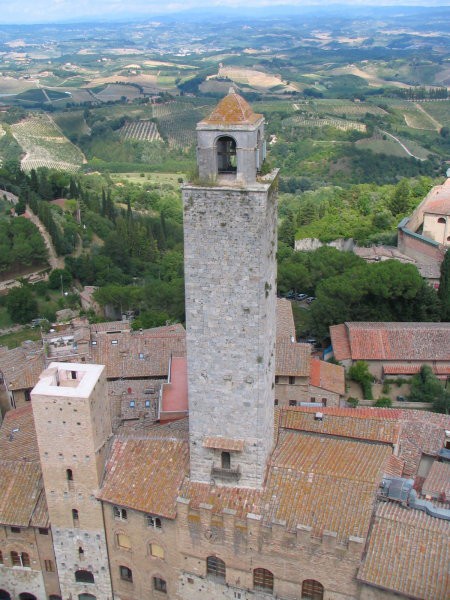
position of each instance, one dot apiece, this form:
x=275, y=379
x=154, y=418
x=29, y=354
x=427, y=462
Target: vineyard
x=311, y=121
x=345, y=107
x=416, y=119
x=45, y=145
x=145, y=131
x=177, y=122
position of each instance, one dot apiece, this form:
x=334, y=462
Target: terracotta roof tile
x=40, y=516
x=394, y=467
x=221, y=443
x=110, y=326
x=327, y=376
x=292, y=359
x=340, y=342
x=22, y=366
x=403, y=368
x=136, y=464
x=232, y=110
x=437, y=483
x=20, y=491
x=242, y=500
x=336, y=423
x=392, y=341
x=408, y=553
x=285, y=326
x=438, y=200
x=18, y=435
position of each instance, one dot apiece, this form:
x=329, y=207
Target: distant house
x=393, y=349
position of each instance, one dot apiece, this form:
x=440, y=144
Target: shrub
x=353, y=402
x=383, y=402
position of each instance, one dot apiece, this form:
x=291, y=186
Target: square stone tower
x=73, y=426
x=230, y=231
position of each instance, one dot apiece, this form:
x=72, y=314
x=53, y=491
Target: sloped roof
x=285, y=327
x=438, y=200
x=18, y=435
x=438, y=480
x=292, y=359
x=391, y=341
x=22, y=366
x=232, y=110
x=146, y=474
x=409, y=553
x=19, y=492
x=327, y=376
x=355, y=424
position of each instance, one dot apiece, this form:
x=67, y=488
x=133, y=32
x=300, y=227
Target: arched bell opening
x=226, y=155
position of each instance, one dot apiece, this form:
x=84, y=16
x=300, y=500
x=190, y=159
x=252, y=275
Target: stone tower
x=73, y=426
x=230, y=229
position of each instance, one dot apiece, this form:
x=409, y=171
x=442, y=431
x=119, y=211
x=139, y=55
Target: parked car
x=301, y=296
x=310, y=299
x=290, y=295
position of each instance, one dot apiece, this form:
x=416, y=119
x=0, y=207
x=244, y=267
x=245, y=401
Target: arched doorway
x=312, y=590
x=27, y=596
x=4, y=595
x=226, y=154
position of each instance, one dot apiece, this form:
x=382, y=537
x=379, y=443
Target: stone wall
x=230, y=278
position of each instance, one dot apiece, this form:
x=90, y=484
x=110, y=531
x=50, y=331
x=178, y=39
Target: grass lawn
x=14, y=339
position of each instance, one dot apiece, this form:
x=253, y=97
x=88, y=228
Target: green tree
x=426, y=387
x=21, y=304
x=400, y=199
x=444, y=287
x=360, y=373
x=60, y=279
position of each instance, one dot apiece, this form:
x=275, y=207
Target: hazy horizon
x=27, y=12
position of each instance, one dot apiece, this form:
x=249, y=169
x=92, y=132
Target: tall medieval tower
x=73, y=426
x=230, y=230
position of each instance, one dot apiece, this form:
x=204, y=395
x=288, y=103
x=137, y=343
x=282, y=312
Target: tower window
x=153, y=522
x=49, y=566
x=226, y=155
x=226, y=460
x=75, y=517
x=69, y=474
x=160, y=585
x=263, y=580
x=20, y=559
x=215, y=568
x=83, y=576
x=441, y=220
x=80, y=552
x=312, y=590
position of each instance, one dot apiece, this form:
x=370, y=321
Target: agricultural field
x=166, y=179
x=117, y=92
x=312, y=121
x=439, y=110
x=72, y=122
x=253, y=78
x=145, y=131
x=416, y=118
x=177, y=121
x=382, y=144
x=345, y=108
x=45, y=145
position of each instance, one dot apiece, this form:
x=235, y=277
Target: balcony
x=228, y=474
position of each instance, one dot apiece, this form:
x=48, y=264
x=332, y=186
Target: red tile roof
x=408, y=553
x=285, y=326
x=22, y=366
x=292, y=359
x=437, y=482
x=18, y=435
x=327, y=376
x=221, y=443
x=355, y=424
x=136, y=464
x=438, y=200
x=20, y=491
x=391, y=341
x=399, y=368
x=242, y=500
x=175, y=393
x=232, y=110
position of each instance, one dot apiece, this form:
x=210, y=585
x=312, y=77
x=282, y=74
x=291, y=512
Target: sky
x=48, y=11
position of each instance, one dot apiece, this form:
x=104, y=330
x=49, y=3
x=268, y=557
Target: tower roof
x=232, y=110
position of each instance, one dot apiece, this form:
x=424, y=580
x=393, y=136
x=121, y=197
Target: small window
x=83, y=576
x=263, y=580
x=20, y=559
x=147, y=404
x=153, y=522
x=75, y=517
x=324, y=401
x=313, y=399
x=441, y=220
x=1, y=557
x=277, y=379
x=276, y=402
x=312, y=590
x=73, y=374
x=54, y=597
x=132, y=403
x=43, y=531
x=291, y=380
x=292, y=403
x=15, y=530
x=94, y=343
x=120, y=513
x=126, y=574
x=114, y=342
x=86, y=596
x=226, y=460
x=80, y=552
x=49, y=566
x=215, y=568
x=141, y=356
x=123, y=541
x=157, y=551
x=69, y=474
x=27, y=395
x=160, y=585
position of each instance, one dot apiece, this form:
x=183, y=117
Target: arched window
x=441, y=220
x=123, y=541
x=157, y=551
x=4, y=595
x=86, y=596
x=27, y=596
x=226, y=460
x=20, y=559
x=69, y=474
x=160, y=584
x=80, y=552
x=215, y=567
x=83, y=576
x=312, y=590
x=75, y=517
x=126, y=574
x=54, y=597
x=226, y=155
x=263, y=580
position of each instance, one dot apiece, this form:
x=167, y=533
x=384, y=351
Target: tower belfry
x=230, y=228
